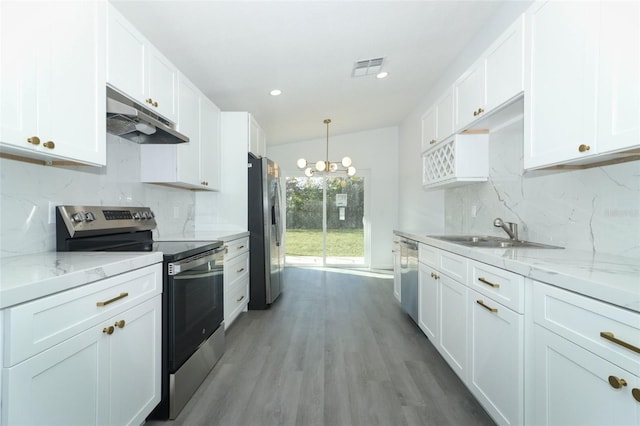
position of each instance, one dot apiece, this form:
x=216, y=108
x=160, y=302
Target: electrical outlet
x=52, y=211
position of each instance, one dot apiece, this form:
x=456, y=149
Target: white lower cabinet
x=585, y=361
x=236, y=279
x=107, y=373
x=428, y=307
x=572, y=386
x=453, y=324
x=496, y=358
x=397, y=293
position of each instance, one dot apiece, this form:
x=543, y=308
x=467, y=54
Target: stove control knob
x=146, y=215
x=79, y=217
x=136, y=215
x=90, y=217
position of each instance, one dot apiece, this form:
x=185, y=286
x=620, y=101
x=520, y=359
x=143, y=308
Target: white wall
x=27, y=189
x=375, y=151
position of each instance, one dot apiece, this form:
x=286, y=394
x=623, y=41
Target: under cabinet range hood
x=127, y=119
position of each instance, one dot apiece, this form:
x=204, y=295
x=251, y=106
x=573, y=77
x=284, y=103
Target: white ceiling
x=238, y=51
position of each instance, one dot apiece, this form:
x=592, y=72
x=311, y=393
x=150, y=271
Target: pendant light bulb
x=351, y=171
x=346, y=161
x=301, y=163
x=320, y=166
x=333, y=167
x=308, y=172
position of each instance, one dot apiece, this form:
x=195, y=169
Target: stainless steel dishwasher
x=409, y=277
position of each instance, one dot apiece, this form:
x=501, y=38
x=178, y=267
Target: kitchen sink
x=484, y=241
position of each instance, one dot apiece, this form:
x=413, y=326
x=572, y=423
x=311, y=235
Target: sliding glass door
x=325, y=221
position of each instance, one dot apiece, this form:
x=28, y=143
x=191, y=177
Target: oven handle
x=175, y=268
x=184, y=276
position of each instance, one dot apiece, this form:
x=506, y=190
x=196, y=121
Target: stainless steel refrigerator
x=266, y=232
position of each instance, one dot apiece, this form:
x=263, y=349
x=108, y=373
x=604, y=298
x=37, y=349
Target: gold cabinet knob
x=120, y=324
x=616, y=382
x=480, y=111
x=475, y=113
x=432, y=141
x=49, y=144
x=108, y=330
x=155, y=104
x=584, y=148
x=149, y=101
x=34, y=140
x=636, y=394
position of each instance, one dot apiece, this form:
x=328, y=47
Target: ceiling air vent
x=367, y=67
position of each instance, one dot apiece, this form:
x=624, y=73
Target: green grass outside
x=340, y=242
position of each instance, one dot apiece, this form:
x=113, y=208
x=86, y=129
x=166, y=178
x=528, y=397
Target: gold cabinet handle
x=616, y=382
x=120, y=324
x=241, y=297
x=205, y=183
x=49, y=144
x=489, y=283
x=584, y=148
x=610, y=337
x=488, y=308
x=432, y=141
x=636, y=394
x=108, y=330
x=435, y=276
x=240, y=248
x=34, y=140
x=106, y=302
x=240, y=270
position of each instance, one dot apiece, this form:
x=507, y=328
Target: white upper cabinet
x=136, y=68
x=257, y=139
x=195, y=164
x=49, y=75
x=437, y=122
x=429, y=126
x=210, y=145
x=582, y=82
x=496, y=78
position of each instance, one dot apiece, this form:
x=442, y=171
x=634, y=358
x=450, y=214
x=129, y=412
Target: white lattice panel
x=460, y=159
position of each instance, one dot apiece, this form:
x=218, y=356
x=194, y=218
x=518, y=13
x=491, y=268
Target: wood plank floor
x=335, y=349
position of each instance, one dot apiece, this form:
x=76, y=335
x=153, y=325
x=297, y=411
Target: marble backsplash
x=595, y=209
x=28, y=190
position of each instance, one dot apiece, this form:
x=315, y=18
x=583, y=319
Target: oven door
x=195, y=296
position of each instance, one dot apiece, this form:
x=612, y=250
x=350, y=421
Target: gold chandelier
x=326, y=165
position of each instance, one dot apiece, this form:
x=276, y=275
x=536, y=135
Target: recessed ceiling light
x=383, y=74
x=275, y=92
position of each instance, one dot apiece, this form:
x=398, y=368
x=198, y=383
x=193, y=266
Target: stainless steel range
x=192, y=298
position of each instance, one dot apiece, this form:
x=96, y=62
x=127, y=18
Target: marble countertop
x=28, y=277
x=613, y=279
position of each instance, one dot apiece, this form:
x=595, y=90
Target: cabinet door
x=561, y=83
x=134, y=363
x=571, y=386
x=18, y=81
x=470, y=95
x=65, y=385
x=429, y=133
x=396, y=271
x=189, y=124
x=428, y=302
x=162, y=80
x=52, y=73
x=126, y=68
x=453, y=324
x=496, y=358
x=619, y=76
x=254, y=136
x=210, y=144
x=444, y=121
x=504, y=67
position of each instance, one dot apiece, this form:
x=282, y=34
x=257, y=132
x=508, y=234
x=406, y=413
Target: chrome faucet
x=509, y=227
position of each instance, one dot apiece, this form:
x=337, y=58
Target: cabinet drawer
x=236, y=247
x=235, y=268
x=503, y=286
x=428, y=255
x=42, y=323
x=453, y=265
x=235, y=301
x=581, y=320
